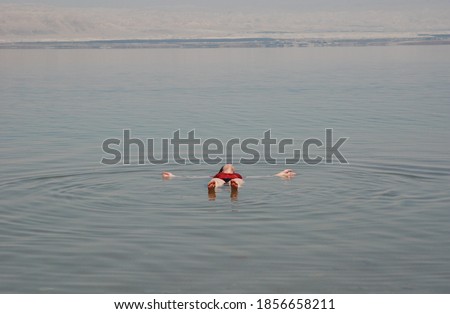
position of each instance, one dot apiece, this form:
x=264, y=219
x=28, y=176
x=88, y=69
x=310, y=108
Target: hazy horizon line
x=41, y=22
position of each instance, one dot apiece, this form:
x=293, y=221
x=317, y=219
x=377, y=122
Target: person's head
x=228, y=168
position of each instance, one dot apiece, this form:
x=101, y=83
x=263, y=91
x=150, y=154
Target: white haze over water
x=288, y=19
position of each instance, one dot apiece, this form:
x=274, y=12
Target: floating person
x=228, y=175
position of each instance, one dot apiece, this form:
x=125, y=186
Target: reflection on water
x=376, y=225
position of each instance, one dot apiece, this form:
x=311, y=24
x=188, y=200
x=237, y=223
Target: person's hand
x=286, y=173
x=167, y=175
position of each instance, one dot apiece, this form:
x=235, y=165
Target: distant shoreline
x=257, y=42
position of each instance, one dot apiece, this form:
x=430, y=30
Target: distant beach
x=258, y=42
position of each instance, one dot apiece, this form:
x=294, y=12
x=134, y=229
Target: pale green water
x=377, y=225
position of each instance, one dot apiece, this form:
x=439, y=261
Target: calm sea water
x=380, y=224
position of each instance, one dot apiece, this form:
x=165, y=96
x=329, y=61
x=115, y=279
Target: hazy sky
x=30, y=20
